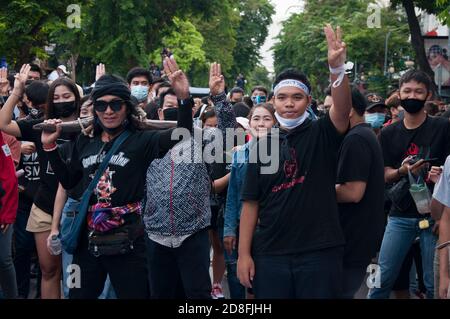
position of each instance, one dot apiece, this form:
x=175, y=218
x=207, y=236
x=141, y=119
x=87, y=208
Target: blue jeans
x=7, y=272
x=399, y=236
x=108, y=291
x=310, y=275
x=237, y=291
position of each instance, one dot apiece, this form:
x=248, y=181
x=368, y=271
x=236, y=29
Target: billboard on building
x=438, y=58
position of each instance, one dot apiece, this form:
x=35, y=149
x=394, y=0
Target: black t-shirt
x=217, y=171
x=66, y=155
x=361, y=160
x=44, y=197
x=30, y=180
x=123, y=180
x=297, y=203
x=430, y=140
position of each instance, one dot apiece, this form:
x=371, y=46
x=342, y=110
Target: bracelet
x=83, y=129
x=398, y=172
x=50, y=147
x=340, y=71
x=19, y=96
x=337, y=70
x=443, y=245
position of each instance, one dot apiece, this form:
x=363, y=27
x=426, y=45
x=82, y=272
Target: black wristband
x=189, y=101
x=216, y=99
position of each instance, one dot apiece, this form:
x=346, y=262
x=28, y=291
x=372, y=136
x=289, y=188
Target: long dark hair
x=68, y=83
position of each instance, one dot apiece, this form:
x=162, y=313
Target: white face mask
x=140, y=92
x=291, y=123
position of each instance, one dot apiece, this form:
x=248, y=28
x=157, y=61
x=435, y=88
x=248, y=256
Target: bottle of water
x=55, y=245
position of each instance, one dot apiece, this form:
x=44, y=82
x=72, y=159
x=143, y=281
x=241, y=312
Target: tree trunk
x=417, y=40
x=73, y=64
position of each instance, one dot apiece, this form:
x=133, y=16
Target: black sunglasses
x=101, y=106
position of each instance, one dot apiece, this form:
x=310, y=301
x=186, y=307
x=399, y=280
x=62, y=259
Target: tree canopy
x=302, y=43
x=126, y=33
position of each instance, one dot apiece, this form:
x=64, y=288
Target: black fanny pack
x=118, y=241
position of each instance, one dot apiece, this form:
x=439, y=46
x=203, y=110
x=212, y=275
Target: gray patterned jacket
x=178, y=192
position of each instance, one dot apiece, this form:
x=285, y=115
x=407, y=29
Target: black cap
x=373, y=100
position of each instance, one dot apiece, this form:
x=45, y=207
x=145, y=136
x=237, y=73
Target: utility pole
x=386, y=52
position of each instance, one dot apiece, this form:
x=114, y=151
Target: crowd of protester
x=306, y=197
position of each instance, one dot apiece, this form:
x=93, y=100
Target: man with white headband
x=297, y=248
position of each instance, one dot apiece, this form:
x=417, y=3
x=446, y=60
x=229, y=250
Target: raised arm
x=7, y=125
x=100, y=70
x=180, y=85
x=340, y=88
x=224, y=112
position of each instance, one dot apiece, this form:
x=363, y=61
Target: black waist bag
x=118, y=241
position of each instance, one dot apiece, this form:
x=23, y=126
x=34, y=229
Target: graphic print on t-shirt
x=415, y=150
x=118, y=159
x=49, y=169
x=31, y=166
x=290, y=166
x=105, y=187
x=290, y=169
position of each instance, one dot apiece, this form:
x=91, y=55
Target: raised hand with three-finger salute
x=216, y=80
x=177, y=78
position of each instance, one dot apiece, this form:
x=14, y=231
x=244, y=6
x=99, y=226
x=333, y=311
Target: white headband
x=292, y=83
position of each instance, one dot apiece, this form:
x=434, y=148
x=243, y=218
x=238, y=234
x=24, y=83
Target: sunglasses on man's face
x=101, y=106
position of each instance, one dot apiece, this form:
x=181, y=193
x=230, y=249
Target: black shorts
x=216, y=218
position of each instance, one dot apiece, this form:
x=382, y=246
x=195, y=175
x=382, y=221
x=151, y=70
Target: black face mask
x=412, y=106
x=64, y=109
x=171, y=114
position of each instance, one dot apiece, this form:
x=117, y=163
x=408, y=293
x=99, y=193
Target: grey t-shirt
x=442, y=189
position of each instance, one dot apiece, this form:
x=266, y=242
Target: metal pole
x=448, y=39
x=386, y=52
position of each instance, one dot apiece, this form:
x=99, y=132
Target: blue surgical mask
x=376, y=120
x=140, y=92
x=258, y=99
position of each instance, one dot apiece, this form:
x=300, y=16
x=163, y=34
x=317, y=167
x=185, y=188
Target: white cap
x=244, y=122
x=63, y=68
x=80, y=90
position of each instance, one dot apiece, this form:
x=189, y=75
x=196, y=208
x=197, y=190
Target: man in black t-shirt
x=290, y=238
x=360, y=194
x=416, y=137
